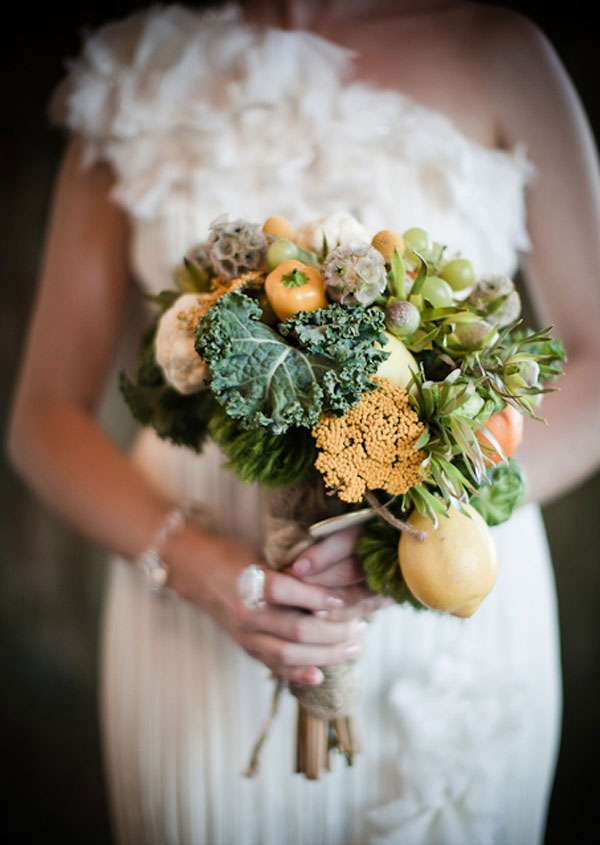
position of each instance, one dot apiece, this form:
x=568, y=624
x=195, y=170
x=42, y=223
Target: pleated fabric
x=459, y=719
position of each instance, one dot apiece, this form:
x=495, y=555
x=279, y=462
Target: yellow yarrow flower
x=372, y=447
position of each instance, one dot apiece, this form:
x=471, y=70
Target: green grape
x=416, y=239
x=281, y=250
x=437, y=292
x=458, y=273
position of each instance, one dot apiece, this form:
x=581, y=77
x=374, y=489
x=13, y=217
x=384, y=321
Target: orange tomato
x=294, y=286
x=507, y=427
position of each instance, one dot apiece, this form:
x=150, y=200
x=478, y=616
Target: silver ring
x=251, y=586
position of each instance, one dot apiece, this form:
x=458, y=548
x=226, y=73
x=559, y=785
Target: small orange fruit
x=294, y=286
x=506, y=426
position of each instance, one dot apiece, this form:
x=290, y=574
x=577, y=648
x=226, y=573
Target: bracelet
x=150, y=561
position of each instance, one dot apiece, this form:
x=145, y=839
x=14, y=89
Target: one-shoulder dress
x=200, y=113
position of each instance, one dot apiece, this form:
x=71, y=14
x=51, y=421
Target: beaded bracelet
x=150, y=561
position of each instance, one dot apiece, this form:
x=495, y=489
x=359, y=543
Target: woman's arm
x=76, y=469
x=54, y=441
x=536, y=102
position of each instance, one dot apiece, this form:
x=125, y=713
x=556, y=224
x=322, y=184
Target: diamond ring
x=251, y=586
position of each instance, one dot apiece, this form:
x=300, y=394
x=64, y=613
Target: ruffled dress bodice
x=201, y=113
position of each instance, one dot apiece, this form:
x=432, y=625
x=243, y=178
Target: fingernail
x=322, y=614
x=316, y=677
x=352, y=650
x=334, y=601
x=302, y=566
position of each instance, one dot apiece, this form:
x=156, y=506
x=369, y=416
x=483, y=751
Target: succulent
x=355, y=274
x=497, y=298
x=236, y=247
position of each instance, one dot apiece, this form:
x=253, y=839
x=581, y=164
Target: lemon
x=454, y=568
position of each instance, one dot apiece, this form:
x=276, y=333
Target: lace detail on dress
x=201, y=113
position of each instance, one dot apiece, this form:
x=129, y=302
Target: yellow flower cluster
x=372, y=447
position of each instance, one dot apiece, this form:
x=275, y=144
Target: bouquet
x=358, y=378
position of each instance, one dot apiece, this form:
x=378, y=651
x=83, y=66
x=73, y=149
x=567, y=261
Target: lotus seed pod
x=279, y=227
x=386, y=242
x=236, y=247
x=487, y=293
x=355, y=274
x=472, y=335
x=402, y=318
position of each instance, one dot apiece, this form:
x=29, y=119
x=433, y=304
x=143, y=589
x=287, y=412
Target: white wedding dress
x=199, y=113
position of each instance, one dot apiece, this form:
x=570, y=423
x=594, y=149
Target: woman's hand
x=331, y=563
x=292, y=642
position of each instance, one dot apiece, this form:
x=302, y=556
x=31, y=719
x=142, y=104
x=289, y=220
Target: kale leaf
x=346, y=336
x=263, y=379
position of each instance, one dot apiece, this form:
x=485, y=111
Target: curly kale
x=181, y=419
x=346, y=336
x=262, y=379
x=377, y=551
x=501, y=493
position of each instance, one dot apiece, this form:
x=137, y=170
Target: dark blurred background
x=51, y=581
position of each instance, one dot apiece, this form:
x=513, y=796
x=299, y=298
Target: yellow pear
x=454, y=568
x=397, y=367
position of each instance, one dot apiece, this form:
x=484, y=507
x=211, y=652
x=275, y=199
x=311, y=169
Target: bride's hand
x=204, y=568
x=331, y=563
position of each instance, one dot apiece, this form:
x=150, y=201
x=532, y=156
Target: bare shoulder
x=509, y=43
x=500, y=25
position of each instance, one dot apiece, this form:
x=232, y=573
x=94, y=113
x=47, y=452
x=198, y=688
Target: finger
x=363, y=609
x=283, y=589
x=322, y=555
x=305, y=627
x=310, y=676
x=273, y=651
x=341, y=574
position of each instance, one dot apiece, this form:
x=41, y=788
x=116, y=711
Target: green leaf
x=397, y=274
x=421, y=275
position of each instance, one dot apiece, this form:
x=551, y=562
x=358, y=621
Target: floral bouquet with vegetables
x=358, y=378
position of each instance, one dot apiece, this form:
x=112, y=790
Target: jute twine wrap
x=289, y=513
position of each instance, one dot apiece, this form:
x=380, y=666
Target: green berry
x=458, y=273
x=437, y=292
x=279, y=251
